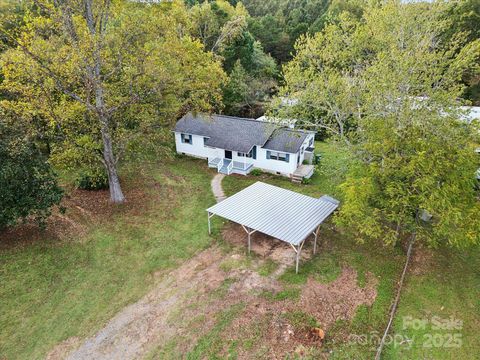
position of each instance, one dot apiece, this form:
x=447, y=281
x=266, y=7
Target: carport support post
x=297, y=259
x=249, y=233
x=316, y=237
x=209, y=225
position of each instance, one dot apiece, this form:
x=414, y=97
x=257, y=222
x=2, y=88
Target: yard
x=63, y=286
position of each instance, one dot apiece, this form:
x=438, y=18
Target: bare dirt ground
x=185, y=303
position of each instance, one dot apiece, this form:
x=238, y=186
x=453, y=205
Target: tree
x=278, y=24
x=28, y=186
x=252, y=73
x=217, y=23
x=388, y=86
x=108, y=77
x=464, y=17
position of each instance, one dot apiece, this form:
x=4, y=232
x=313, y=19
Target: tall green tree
x=253, y=74
x=28, y=185
x=107, y=78
x=278, y=24
x=388, y=87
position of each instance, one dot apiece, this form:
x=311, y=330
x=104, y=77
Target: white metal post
x=297, y=259
x=316, y=237
x=210, y=215
x=249, y=233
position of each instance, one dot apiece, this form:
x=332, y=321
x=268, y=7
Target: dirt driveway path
x=185, y=304
x=132, y=332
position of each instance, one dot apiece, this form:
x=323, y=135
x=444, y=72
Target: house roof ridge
x=245, y=119
x=297, y=130
x=233, y=117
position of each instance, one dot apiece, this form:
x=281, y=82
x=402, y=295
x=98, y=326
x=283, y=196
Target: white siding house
x=238, y=145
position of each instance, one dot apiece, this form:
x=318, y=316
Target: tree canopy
x=99, y=79
x=224, y=29
x=388, y=86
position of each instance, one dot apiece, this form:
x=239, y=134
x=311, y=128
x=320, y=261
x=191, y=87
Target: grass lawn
x=384, y=264
x=447, y=287
x=446, y=290
x=53, y=290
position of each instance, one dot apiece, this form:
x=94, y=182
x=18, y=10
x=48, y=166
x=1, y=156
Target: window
x=186, y=139
x=302, y=150
x=310, y=143
x=204, y=141
x=273, y=155
x=249, y=155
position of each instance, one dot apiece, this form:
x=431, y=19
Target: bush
x=256, y=172
x=93, y=179
x=306, y=181
x=28, y=185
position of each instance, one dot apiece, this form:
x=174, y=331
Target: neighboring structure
x=283, y=214
x=238, y=145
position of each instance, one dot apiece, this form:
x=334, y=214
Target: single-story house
x=238, y=145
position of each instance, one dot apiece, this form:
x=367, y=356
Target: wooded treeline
x=85, y=85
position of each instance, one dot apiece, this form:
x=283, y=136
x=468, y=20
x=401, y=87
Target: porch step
x=297, y=179
x=224, y=170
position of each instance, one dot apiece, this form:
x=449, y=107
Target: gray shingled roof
x=240, y=134
x=226, y=132
x=286, y=140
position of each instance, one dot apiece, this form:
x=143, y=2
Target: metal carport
x=283, y=214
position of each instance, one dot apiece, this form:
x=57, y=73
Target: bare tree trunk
x=94, y=73
x=116, y=194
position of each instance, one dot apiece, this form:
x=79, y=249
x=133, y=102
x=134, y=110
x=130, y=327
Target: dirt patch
x=86, y=208
x=339, y=299
x=185, y=303
x=326, y=303
x=266, y=246
x=422, y=260
x=61, y=350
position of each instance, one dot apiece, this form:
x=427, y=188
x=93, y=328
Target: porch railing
x=220, y=165
x=230, y=168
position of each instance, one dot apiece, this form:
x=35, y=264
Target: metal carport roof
x=283, y=214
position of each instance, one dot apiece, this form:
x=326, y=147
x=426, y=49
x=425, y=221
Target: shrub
x=28, y=185
x=256, y=172
x=306, y=181
x=92, y=179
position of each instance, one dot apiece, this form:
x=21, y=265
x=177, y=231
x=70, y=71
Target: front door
x=228, y=154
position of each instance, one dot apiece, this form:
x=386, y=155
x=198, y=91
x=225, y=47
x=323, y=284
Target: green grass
x=211, y=344
x=300, y=320
x=52, y=290
x=449, y=290
x=267, y=268
x=291, y=293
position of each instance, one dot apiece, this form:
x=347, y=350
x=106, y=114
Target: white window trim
x=185, y=135
x=276, y=156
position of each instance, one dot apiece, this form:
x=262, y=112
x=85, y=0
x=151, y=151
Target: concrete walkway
x=217, y=187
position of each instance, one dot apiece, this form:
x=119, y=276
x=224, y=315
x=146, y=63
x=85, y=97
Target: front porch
x=303, y=172
x=228, y=166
